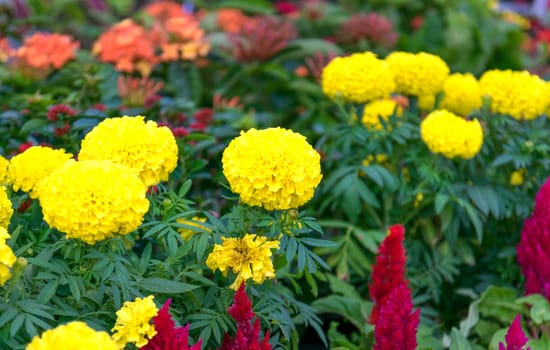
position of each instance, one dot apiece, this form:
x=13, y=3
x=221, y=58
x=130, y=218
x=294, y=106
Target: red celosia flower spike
x=55, y=110
x=169, y=337
x=515, y=338
x=389, y=270
x=395, y=328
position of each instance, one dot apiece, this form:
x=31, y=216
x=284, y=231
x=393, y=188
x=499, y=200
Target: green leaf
x=458, y=341
x=500, y=303
x=440, y=202
x=161, y=285
x=540, y=312
x=253, y=6
x=32, y=126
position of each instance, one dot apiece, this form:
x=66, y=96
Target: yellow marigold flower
x=379, y=109
x=517, y=177
x=26, y=170
x=461, y=94
x=187, y=233
x=274, y=168
x=248, y=257
x=133, y=322
x=426, y=102
x=450, y=135
x=418, y=74
x=93, y=200
x=7, y=258
x=6, y=209
x=3, y=170
x=74, y=335
x=360, y=77
x=144, y=146
x=522, y=95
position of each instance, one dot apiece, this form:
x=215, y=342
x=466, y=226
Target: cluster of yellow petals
x=273, y=168
x=27, y=170
x=147, y=148
x=7, y=258
x=74, y=335
x=380, y=109
x=461, y=94
x=520, y=94
x=93, y=200
x=248, y=257
x=418, y=74
x=133, y=323
x=360, y=77
x=450, y=135
x=187, y=233
x=6, y=209
x=4, y=163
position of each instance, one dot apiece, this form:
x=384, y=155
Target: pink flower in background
x=515, y=338
x=373, y=27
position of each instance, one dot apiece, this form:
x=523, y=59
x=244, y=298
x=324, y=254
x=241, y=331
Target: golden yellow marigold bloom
x=74, y=335
x=93, y=200
x=3, y=170
x=426, y=102
x=380, y=109
x=133, y=322
x=461, y=94
x=248, y=257
x=360, y=77
x=7, y=258
x=517, y=178
x=273, y=168
x=418, y=74
x=144, y=146
x=187, y=233
x=520, y=94
x=450, y=135
x=6, y=209
x=26, y=170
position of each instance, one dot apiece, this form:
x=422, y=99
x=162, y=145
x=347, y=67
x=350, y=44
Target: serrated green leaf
x=161, y=285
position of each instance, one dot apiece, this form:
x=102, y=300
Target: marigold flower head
x=418, y=74
x=74, y=335
x=248, y=257
x=515, y=338
x=144, y=146
x=6, y=209
x=4, y=163
x=379, y=109
x=230, y=20
x=517, y=178
x=360, y=77
x=7, y=258
x=133, y=323
x=27, y=170
x=93, y=200
x=273, y=168
x=187, y=233
x=128, y=46
x=521, y=95
x=450, y=135
x=461, y=94
x=43, y=52
x=373, y=27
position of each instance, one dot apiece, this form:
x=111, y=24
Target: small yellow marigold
x=187, y=233
x=517, y=178
x=248, y=257
x=461, y=94
x=26, y=170
x=6, y=209
x=7, y=258
x=520, y=94
x=360, y=77
x=144, y=146
x=380, y=109
x=133, y=322
x=418, y=74
x=274, y=168
x=74, y=335
x=3, y=170
x=93, y=200
x=450, y=135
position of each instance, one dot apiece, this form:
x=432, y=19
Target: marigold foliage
x=452, y=136
x=187, y=233
x=93, y=200
x=418, y=74
x=133, y=323
x=379, y=109
x=360, y=77
x=26, y=170
x=248, y=257
x=273, y=168
x=6, y=209
x=74, y=336
x=144, y=146
x=7, y=257
x=461, y=94
x=521, y=95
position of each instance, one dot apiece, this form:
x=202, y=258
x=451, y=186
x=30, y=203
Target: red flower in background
x=286, y=7
x=372, y=27
x=395, y=328
x=389, y=270
x=56, y=110
x=515, y=338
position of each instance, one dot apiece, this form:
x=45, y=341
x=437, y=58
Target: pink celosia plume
x=515, y=338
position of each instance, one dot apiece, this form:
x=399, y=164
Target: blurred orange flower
x=183, y=39
x=231, y=20
x=128, y=46
x=5, y=50
x=164, y=10
x=135, y=92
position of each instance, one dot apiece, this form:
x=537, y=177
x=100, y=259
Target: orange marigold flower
x=128, y=46
x=164, y=10
x=231, y=20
